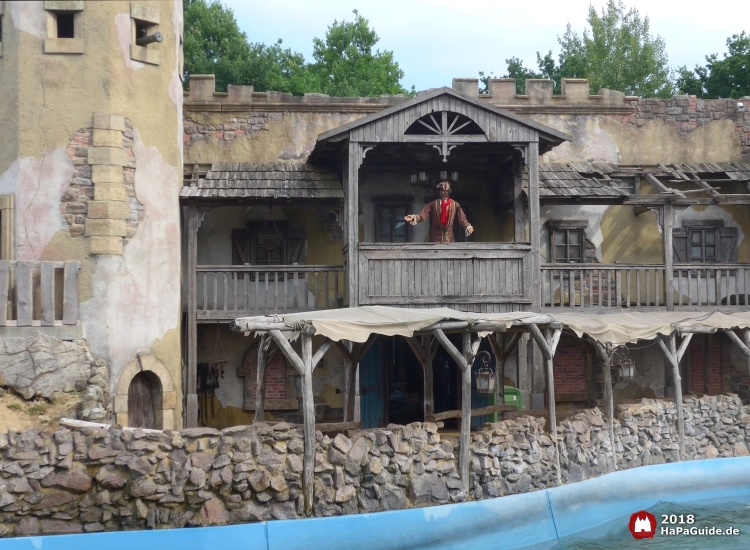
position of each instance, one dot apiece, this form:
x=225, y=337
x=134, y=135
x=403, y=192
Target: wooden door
x=372, y=387
x=141, y=409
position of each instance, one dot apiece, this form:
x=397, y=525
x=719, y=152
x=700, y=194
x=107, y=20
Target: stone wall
x=93, y=478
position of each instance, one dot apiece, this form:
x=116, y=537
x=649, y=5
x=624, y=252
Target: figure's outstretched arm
x=468, y=228
x=422, y=216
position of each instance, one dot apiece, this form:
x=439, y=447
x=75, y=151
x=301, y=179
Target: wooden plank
x=308, y=416
x=24, y=294
x=351, y=188
x=191, y=413
x=668, y=226
x=464, y=455
x=4, y=281
x=70, y=293
x=535, y=222
x=552, y=338
x=437, y=417
x=260, y=373
x=48, y=293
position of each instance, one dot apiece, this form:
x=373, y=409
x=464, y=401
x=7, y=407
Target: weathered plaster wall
x=91, y=479
x=129, y=303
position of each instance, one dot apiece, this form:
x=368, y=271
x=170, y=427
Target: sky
x=435, y=41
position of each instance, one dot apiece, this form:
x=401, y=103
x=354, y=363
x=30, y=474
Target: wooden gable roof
x=390, y=124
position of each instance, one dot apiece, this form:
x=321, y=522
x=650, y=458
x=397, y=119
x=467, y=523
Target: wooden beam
x=519, y=214
x=668, y=345
x=351, y=188
x=605, y=353
x=344, y=349
x=497, y=342
x=474, y=412
x=667, y=226
x=417, y=348
x=744, y=349
x=464, y=450
x=536, y=334
x=686, y=338
x=322, y=350
x=430, y=346
x=260, y=372
x=191, y=400
x=534, y=285
x=451, y=349
x=288, y=351
x=308, y=418
x=552, y=339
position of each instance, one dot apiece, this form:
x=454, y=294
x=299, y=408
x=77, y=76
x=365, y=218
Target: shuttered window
x=390, y=224
x=247, y=248
x=566, y=242
x=704, y=242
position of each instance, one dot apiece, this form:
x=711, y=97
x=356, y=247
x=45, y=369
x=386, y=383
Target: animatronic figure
x=442, y=212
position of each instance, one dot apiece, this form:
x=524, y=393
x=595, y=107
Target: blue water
x=721, y=514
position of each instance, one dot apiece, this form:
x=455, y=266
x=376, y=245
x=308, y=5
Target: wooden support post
x=351, y=165
x=260, y=372
x=464, y=450
x=606, y=352
x=707, y=344
x=430, y=346
x=667, y=226
x=191, y=408
x=345, y=350
x=532, y=160
x=673, y=356
x=308, y=418
x=497, y=342
x=519, y=215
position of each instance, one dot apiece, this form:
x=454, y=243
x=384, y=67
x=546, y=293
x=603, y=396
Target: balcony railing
x=227, y=292
x=608, y=286
x=480, y=277
x=38, y=294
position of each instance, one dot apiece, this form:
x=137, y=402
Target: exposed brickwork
x=687, y=113
x=225, y=134
x=75, y=201
x=570, y=370
x=741, y=385
x=696, y=369
x=275, y=379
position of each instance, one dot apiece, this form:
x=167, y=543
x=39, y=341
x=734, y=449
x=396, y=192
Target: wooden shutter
x=295, y=246
x=679, y=245
x=241, y=246
x=728, y=237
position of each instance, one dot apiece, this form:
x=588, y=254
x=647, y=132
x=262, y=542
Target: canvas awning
x=356, y=324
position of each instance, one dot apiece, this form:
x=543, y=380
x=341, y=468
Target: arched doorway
x=144, y=401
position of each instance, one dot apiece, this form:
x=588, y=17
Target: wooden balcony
x=480, y=277
x=38, y=294
x=611, y=287
x=227, y=292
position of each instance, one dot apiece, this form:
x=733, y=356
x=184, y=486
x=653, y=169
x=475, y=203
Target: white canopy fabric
x=357, y=323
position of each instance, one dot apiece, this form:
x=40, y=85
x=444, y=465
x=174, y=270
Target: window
x=390, y=226
x=145, y=23
x=248, y=248
x=704, y=241
x=567, y=242
x=64, y=26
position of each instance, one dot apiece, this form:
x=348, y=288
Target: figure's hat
x=444, y=185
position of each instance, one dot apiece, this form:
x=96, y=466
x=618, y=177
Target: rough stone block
x=108, y=209
x=539, y=90
x=121, y=404
x=110, y=192
x=106, y=228
x=122, y=418
x=575, y=90
x=168, y=400
x=107, y=138
x=466, y=86
x=107, y=155
x=107, y=121
x=107, y=246
x=503, y=90
x=202, y=87
x=106, y=174
x=240, y=94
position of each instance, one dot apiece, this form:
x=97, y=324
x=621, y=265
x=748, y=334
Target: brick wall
x=740, y=385
x=570, y=370
x=696, y=369
x=275, y=379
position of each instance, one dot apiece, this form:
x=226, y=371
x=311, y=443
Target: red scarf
x=444, y=211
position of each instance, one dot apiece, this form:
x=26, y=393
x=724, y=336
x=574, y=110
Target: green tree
x=345, y=64
x=618, y=52
x=213, y=43
x=726, y=77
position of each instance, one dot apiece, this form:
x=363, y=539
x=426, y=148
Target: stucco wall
x=129, y=303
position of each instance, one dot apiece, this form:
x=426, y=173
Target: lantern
x=485, y=377
x=626, y=369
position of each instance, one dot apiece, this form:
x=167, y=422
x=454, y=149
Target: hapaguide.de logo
x=642, y=525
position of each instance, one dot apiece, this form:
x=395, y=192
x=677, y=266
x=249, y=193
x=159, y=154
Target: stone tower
x=90, y=172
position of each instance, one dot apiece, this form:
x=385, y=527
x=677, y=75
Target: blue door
x=371, y=388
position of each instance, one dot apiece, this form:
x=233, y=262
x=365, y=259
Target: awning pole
x=308, y=417
x=673, y=355
x=260, y=373
x=606, y=352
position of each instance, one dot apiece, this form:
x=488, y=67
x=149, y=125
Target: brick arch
x=150, y=364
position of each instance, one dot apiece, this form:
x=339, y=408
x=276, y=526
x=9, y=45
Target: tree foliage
x=345, y=62
x=726, y=77
x=617, y=51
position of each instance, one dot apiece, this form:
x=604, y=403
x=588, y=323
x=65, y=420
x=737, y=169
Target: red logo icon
x=642, y=525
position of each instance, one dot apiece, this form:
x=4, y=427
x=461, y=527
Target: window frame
x=150, y=18
x=55, y=45
x=391, y=205
x=567, y=227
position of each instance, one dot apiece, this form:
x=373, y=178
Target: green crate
x=513, y=396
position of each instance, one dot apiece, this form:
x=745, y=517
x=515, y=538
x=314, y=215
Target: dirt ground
x=19, y=414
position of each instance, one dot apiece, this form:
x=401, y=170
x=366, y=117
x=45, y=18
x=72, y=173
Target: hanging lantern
x=626, y=369
x=485, y=377
x=270, y=237
x=218, y=360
